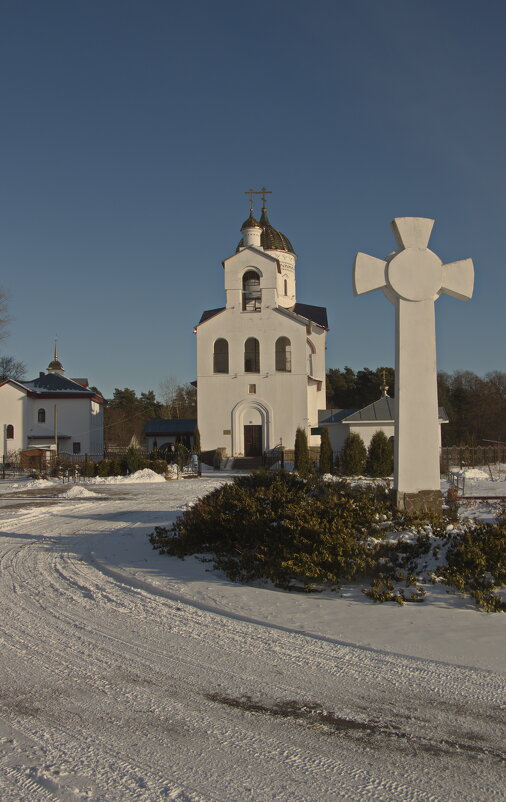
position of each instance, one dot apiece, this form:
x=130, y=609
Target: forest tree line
x=126, y=413
x=476, y=406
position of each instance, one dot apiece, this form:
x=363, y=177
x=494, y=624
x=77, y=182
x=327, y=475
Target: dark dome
x=271, y=239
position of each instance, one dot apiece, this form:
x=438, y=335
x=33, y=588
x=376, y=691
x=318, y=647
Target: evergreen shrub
x=158, y=465
x=88, y=468
x=277, y=526
x=133, y=461
x=476, y=563
x=104, y=467
x=301, y=460
x=116, y=467
x=353, y=456
x=380, y=459
x=196, y=441
x=326, y=453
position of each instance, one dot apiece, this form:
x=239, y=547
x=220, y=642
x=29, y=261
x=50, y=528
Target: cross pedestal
x=412, y=278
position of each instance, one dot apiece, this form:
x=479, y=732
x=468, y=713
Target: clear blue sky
x=131, y=130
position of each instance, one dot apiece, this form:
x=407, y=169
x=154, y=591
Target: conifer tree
x=326, y=453
x=353, y=455
x=380, y=460
x=301, y=463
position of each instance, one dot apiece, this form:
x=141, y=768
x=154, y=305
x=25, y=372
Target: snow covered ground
x=126, y=675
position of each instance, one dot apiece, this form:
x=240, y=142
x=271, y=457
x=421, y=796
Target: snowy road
x=129, y=676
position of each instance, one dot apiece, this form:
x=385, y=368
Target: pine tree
x=301, y=462
x=380, y=460
x=326, y=453
x=353, y=455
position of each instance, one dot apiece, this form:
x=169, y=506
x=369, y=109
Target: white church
x=52, y=414
x=261, y=357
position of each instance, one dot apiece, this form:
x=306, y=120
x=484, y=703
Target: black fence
x=471, y=457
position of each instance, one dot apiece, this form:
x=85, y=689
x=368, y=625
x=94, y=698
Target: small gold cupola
x=55, y=366
x=251, y=229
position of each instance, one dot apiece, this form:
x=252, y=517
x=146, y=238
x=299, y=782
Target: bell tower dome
x=55, y=366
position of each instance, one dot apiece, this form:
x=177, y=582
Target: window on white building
x=41, y=415
x=9, y=432
x=76, y=447
x=286, y=286
x=251, y=292
x=283, y=354
x=251, y=355
x=311, y=350
x=220, y=357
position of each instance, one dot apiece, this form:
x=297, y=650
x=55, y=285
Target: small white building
x=162, y=434
x=51, y=413
x=260, y=358
x=375, y=417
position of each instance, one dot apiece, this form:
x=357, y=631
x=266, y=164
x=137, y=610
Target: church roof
x=209, y=313
x=316, y=314
x=333, y=415
x=166, y=426
x=54, y=383
x=380, y=410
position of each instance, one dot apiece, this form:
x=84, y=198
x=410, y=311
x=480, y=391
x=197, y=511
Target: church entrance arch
x=251, y=425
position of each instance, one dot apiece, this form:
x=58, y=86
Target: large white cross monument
x=412, y=278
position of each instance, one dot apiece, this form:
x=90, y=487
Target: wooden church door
x=252, y=441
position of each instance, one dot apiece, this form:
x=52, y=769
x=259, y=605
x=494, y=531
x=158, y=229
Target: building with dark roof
x=378, y=416
x=163, y=433
x=51, y=412
x=261, y=356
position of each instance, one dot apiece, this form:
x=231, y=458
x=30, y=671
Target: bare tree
x=10, y=368
x=179, y=400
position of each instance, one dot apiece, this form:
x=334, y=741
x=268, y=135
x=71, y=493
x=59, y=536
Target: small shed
x=378, y=416
x=163, y=433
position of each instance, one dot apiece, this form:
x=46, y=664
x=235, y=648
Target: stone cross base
x=423, y=501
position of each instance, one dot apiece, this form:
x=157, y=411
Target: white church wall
x=277, y=400
x=74, y=418
x=368, y=430
x=219, y=394
x=12, y=414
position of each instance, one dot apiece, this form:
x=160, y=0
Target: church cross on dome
x=263, y=192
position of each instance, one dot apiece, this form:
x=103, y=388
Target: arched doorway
x=251, y=423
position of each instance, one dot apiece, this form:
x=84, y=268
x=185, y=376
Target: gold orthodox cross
x=263, y=192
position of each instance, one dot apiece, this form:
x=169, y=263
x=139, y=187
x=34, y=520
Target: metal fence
x=471, y=457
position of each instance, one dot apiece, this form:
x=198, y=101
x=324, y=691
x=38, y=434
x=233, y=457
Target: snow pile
x=172, y=472
x=146, y=475
x=78, y=491
x=473, y=473
x=33, y=484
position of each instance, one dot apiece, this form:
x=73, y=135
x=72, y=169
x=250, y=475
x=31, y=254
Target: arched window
x=41, y=415
x=251, y=355
x=220, y=358
x=286, y=286
x=9, y=433
x=310, y=351
x=251, y=292
x=283, y=354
